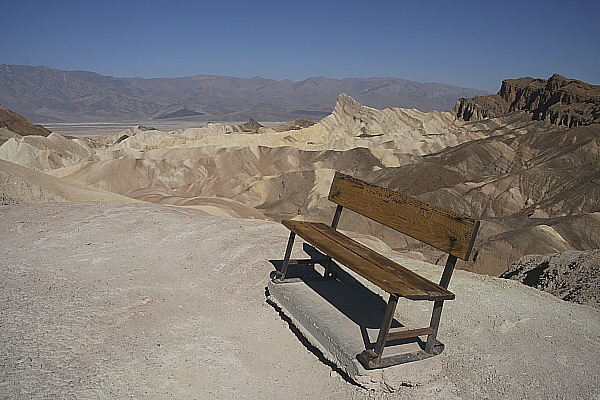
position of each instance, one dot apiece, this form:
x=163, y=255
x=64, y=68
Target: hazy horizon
x=466, y=44
x=256, y=76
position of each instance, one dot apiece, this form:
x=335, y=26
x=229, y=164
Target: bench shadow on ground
x=365, y=308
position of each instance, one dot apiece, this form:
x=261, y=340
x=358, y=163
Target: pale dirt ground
x=114, y=301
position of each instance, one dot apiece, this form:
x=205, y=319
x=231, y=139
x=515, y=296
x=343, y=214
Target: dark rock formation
x=480, y=107
x=18, y=124
x=558, y=100
x=248, y=127
x=571, y=275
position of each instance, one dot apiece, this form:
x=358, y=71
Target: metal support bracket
x=372, y=359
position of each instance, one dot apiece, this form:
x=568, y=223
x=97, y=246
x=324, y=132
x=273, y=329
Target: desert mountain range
x=45, y=94
x=118, y=282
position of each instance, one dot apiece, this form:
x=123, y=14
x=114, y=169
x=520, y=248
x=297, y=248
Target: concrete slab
x=338, y=320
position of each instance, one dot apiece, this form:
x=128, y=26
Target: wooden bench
x=446, y=230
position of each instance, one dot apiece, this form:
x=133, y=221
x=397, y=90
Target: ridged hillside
x=14, y=125
x=559, y=100
x=534, y=184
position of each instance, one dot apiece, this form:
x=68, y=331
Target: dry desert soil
x=144, y=301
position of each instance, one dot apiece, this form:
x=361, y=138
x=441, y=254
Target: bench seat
x=385, y=273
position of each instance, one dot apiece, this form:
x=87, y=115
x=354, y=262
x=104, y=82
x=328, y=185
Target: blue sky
x=465, y=43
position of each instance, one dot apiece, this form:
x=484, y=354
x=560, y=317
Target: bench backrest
x=446, y=230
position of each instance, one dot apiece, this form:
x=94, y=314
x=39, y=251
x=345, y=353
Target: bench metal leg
x=288, y=253
x=336, y=219
x=372, y=358
x=437, y=306
x=434, y=324
x=280, y=276
x=388, y=317
x=329, y=272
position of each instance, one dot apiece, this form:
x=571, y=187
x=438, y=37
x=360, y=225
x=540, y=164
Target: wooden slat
x=446, y=230
x=385, y=273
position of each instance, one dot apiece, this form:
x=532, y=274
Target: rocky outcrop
x=294, y=125
x=571, y=275
x=15, y=123
x=248, y=127
x=352, y=124
x=558, y=100
x=480, y=107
